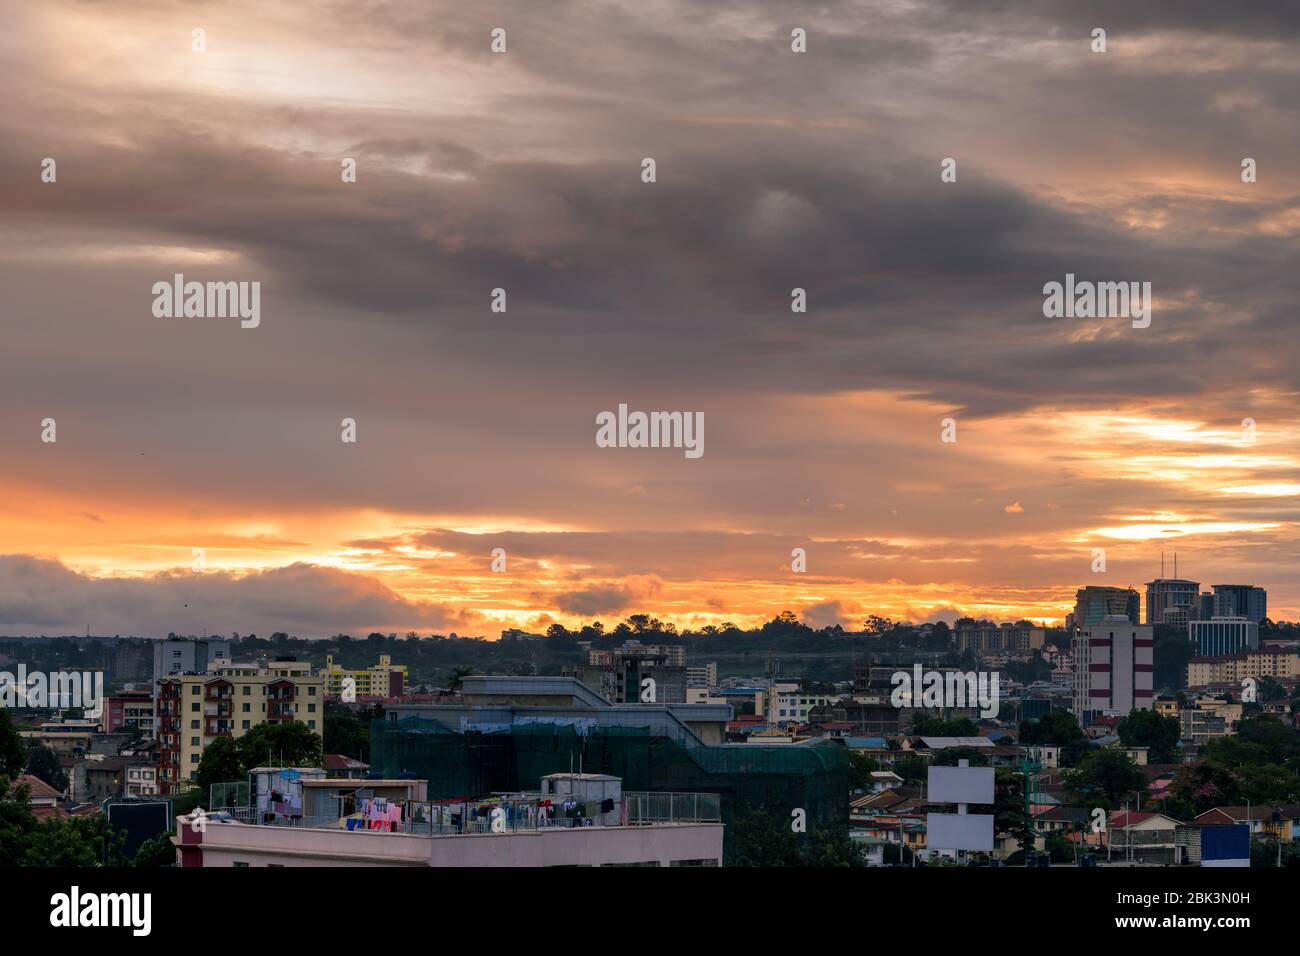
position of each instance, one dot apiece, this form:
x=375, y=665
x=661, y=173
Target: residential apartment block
x=1000, y=638
x=384, y=679
x=131, y=710
x=1113, y=669
x=1233, y=668
x=195, y=709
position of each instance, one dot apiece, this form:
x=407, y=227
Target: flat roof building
x=1223, y=635
x=1113, y=669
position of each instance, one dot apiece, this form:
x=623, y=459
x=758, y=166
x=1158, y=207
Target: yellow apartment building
x=1233, y=668
x=384, y=679
x=228, y=701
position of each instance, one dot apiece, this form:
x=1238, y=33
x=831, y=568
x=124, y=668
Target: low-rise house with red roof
x=44, y=798
x=1143, y=837
x=1266, y=821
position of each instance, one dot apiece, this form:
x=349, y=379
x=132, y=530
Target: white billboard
x=959, y=831
x=960, y=785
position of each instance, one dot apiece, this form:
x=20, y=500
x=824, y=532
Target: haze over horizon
x=522, y=171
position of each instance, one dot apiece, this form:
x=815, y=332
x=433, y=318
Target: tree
x=1059, y=849
x=1281, y=742
x=1146, y=728
x=77, y=841
x=221, y=763
x=949, y=757
x=764, y=838
x=1056, y=728
x=13, y=752
x=925, y=726
x=347, y=733
x=1072, y=753
x=1108, y=777
x=292, y=744
x=861, y=767
x=456, y=680
x=1009, y=807
x=42, y=763
x=155, y=852
x=911, y=768
x=17, y=824
x=1203, y=784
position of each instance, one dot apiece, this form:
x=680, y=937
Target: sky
x=198, y=480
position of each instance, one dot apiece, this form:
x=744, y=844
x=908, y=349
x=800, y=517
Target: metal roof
x=939, y=743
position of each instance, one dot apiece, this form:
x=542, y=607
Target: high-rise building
x=1113, y=668
x=1224, y=635
x=1206, y=607
x=1092, y=603
x=1240, y=600
x=1173, y=601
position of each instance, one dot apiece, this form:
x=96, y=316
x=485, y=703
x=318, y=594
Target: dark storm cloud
x=903, y=275
x=887, y=259
x=43, y=596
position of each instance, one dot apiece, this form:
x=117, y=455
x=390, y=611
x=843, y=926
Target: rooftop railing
x=515, y=815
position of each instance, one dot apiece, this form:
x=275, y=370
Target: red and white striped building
x=1113, y=668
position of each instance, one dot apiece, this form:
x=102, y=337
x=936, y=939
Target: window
x=247, y=707
x=239, y=863
x=245, y=725
x=194, y=725
x=194, y=706
x=194, y=741
x=311, y=708
x=194, y=690
x=705, y=862
x=311, y=691
x=247, y=690
x=194, y=758
x=311, y=724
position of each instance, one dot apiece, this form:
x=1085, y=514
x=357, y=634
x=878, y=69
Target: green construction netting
x=779, y=777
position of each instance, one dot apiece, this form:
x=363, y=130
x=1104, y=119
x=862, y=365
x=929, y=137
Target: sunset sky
x=522, y=170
